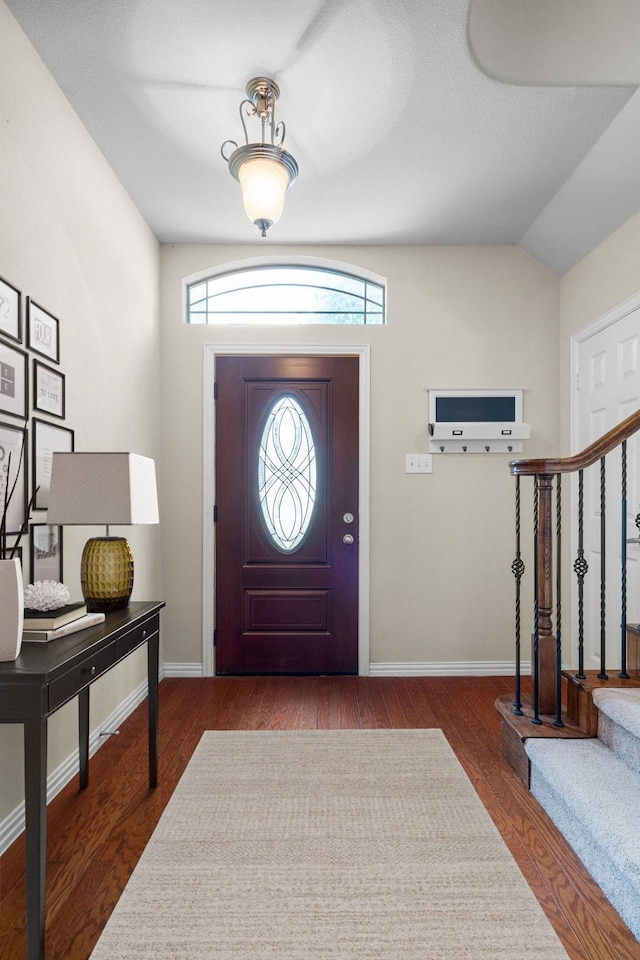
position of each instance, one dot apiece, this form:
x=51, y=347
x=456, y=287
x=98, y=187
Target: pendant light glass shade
x=264, y=184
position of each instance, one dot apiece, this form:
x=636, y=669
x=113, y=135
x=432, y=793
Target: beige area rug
x=326, y=845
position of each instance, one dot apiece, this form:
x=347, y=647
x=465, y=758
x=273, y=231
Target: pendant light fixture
x=264, y=169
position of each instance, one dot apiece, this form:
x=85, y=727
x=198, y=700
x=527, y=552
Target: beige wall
x=71, y=239
x=441, y=545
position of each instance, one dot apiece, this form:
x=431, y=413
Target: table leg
x=35, y=777
x=83, y=736
x=153, y=655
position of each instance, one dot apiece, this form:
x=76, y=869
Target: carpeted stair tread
x=592, y=796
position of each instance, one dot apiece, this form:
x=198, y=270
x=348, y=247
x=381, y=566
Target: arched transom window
x=285, y=294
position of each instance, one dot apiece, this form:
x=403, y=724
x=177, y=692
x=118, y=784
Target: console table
x=43, y=678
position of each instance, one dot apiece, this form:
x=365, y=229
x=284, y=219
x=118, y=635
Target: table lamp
x=104, y=488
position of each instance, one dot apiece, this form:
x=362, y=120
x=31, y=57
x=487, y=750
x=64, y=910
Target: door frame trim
x=591, y=329
x=211, y=351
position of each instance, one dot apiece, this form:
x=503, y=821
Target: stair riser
x=624, y=744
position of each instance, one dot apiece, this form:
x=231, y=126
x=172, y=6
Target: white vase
x=11, y=609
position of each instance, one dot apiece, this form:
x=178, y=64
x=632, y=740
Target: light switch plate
x=419, y=463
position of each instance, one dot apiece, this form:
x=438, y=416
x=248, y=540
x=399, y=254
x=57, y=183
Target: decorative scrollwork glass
x=287, y=467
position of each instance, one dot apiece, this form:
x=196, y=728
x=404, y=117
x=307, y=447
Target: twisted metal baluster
x=518, y=568
x=536, y=612
x=623, y=573
x=602, y=675
x=581, y=568
x=558, y=721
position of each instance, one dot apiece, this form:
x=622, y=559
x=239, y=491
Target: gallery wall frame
x=43, y=331
x=45, y=552
x=14, y=380
x=48, y=438
x=13, y=474
x=10, y=311
x=48, y=390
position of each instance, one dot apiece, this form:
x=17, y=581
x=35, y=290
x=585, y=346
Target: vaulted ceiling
x=401, y=132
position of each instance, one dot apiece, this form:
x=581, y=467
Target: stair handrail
x=579, y=461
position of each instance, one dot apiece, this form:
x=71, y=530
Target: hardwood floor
x=97, y=836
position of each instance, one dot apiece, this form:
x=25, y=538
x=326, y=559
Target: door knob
x=347, y=538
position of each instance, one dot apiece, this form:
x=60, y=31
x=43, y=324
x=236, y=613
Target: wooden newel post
x=546, y=639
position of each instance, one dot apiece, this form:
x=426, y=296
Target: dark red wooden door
x=287, y=515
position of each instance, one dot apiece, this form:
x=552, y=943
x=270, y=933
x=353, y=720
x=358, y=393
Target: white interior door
x=609, y=391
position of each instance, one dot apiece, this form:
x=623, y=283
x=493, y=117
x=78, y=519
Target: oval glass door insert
x=287, y=474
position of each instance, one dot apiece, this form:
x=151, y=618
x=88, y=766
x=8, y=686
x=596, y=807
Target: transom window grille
x=287, y=474
x=286, y=294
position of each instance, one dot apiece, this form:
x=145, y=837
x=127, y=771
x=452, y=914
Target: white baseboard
x=182, y=670
x=458, y=668
x=473, y=668
x=13, y=825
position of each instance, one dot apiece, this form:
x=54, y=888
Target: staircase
x=573, y=736
x=591, y=790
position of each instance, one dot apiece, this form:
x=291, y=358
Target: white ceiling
x=399, y=135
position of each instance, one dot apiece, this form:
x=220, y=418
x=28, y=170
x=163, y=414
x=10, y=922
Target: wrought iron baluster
x=536, y=611
x=623, y=563
x=518, y=568
x=602, y=675
x=581, y=568
x=558, y=721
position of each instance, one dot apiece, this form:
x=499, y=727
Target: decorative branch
x=8, y=495
x=25, y=523
x=5, y=507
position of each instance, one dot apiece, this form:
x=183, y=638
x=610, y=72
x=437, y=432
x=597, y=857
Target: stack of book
x=43, y=626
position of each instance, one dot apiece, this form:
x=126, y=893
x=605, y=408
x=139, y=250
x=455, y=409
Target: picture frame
x=48, y=390
x=48, y=438
x=14, y=376
x=13, y=440
x=45, y=552
x=43, y=331
x=10, y=311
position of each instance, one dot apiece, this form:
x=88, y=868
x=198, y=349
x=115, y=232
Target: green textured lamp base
x=106, y=574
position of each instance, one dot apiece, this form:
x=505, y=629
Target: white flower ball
x=46, y=595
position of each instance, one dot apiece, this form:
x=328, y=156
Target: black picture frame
x=43, y=331
x=14, y=381
x=10, y=311
x=45, y=552
x=13, y=439
x=48, y=438
x=49, y=390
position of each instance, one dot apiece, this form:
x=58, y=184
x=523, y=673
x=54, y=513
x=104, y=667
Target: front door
x=286, y=555
x=609, y=391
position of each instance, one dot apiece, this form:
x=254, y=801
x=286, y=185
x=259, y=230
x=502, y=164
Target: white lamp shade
x=264, y=183
x=102, y=488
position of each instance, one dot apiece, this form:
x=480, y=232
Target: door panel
x=286, y=582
